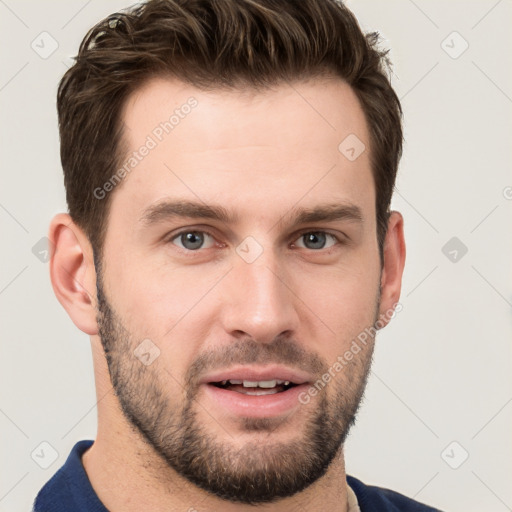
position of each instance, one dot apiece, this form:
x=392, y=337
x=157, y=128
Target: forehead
x=236, y=117
x=254, y=152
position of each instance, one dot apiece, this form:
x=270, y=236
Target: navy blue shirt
x=69, y=490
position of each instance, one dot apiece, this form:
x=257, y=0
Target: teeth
x=266, y=384
x=258, y=392
x=259, y=384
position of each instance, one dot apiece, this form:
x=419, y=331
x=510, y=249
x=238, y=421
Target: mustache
x=248, y=351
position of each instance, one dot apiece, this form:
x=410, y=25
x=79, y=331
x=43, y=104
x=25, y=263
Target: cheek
x=343, y=302
x=172, y=308
x=157, y=295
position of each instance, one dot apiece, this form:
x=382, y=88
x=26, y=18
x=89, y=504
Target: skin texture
x=260, y=156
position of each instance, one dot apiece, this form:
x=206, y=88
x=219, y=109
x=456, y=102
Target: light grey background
x=442, y=370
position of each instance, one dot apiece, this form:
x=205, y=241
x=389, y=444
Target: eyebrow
x=169, y=209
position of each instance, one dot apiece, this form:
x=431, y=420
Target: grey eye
x=316, y=240
x=191, y=240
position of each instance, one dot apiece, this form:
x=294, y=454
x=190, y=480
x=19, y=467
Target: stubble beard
x=260, y=471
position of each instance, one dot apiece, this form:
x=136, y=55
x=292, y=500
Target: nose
x=259, y=301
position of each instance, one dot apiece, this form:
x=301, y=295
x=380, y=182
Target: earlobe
x=72, y=272
x=393, y=266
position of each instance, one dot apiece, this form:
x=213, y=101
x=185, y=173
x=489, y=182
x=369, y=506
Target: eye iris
x=317, y=239
x=192, y=240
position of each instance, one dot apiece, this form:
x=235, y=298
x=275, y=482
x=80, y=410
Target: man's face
x=245, y=313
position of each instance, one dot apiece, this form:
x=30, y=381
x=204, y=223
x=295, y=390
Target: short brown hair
x=214, y=44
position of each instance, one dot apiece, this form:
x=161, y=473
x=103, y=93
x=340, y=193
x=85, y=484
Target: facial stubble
x=256, y=472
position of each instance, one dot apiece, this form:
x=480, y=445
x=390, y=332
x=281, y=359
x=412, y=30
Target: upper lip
x=259, y=373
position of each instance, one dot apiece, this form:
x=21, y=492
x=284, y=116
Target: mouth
x=258, y=392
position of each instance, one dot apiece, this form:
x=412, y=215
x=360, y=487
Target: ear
x=72, y=272
x=393, y=267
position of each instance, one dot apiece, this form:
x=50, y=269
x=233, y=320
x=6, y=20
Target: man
x=230, y=251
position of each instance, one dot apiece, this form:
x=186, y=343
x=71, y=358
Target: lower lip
x=256, y=406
